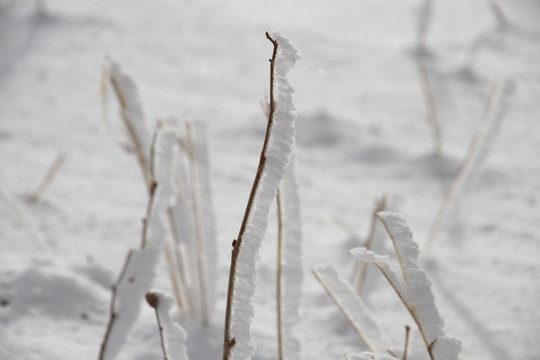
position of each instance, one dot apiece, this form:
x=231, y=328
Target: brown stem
x=407, y=336
x=153, y=300
x=49, y=176
x=465, y=166
x=429, y=98
x=145, y=167
x=229, y=342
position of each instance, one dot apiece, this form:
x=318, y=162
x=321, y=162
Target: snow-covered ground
x=362, y=131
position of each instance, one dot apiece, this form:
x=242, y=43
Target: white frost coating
x=415, y=290
x=173, y=335
x=140, y=266
x=202, y=171
x=368, y=356
x=131, y=107
x=354, y=309
x=278, y=153
x=292, y=269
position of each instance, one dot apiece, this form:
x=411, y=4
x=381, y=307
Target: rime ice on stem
x=132, y=115
x=139, y=268
x=413, y=287
x=275, y=157
x=290, y=266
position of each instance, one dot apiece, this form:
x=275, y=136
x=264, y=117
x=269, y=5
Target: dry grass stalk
x=353, y=309
x=228, y=342
x=47, y=179
x=197, y=215
x=177, y=260
x=153, y=300
x=429, y=99
x=407, y=337
x=136, y=142
x=359, y=273
x=26, y=226
x=465, y=165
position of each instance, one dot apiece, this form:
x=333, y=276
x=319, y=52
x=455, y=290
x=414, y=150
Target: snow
x=361, y=132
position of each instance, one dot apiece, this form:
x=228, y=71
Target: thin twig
x=406, y=347
x=47, y=179
x=465, y=165
x=153, y=300
x=25, y=225
x=429, y=98
x=139, y=151
x=359, y=274
x=228, y=342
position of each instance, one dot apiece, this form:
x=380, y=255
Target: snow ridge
x=278, y=153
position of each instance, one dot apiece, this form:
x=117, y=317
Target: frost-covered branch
x=173, y=336
x=290, y=266
x=275, y=157
x=138, y=271
x=413, y=287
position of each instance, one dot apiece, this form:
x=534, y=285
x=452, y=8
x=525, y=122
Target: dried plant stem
x=49, y=176
x=429, y=98
x=359, y=273
x=279, y=281
x=199, y=234
x=174, y=278
x=228, y=343
x=406, y=347
x=113, y=307
x=153, y=299
x=402, y=296
x=178, y=258
x=26, y=226
x=465, y=165
x=139, y=151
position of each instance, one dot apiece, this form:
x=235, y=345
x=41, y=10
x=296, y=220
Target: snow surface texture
x=414, y=287
x=139, y=273
x=278, y=154
x=368, y=356
x=361, y=132
x=353, y=308
x=292, y=269
x=173, y=335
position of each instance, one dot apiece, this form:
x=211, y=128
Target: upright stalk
x=228, y=342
